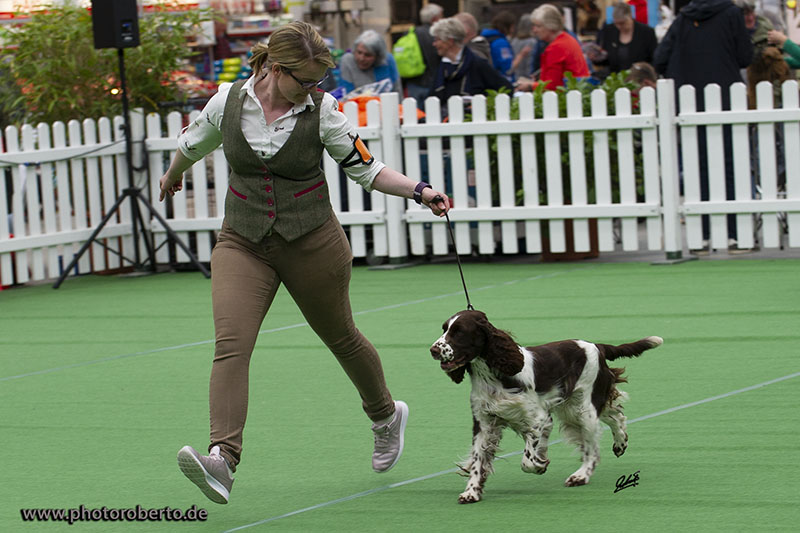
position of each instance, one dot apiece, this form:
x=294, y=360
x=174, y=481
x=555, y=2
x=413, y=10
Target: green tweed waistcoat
x=288, y=194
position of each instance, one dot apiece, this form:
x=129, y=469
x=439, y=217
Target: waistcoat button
x=271, y=214
x=268, y=188
x=270, y=202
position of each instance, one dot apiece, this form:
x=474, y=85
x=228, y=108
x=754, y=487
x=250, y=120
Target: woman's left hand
x=438, y=202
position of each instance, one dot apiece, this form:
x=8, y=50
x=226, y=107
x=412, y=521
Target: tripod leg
x=174, y=236
x=91, y=239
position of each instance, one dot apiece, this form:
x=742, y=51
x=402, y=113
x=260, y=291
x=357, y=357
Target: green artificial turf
x=103, y=380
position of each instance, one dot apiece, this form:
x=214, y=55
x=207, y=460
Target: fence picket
x=113, y=260
x=530, y=175
x=380, y=244
x=505, y=175
x=459, y=186
x=355, y=197
x=577, y=173
x=652, y=186
x=767, y=167
x=791, y=133
x=602, y=172
x=716, y=167
x=32, y=203
x=48, y=200
x=552, y=157
x=89, y=130
x=627, y=170
x=742, y=165
x=483, y=177
x=126, y=249
x=179, y=207
x=691, y=168
x=436, y=173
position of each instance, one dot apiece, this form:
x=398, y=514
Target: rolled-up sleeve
x=337, y=135
x=203, y=135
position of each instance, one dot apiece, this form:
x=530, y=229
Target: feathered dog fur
x=521, y=388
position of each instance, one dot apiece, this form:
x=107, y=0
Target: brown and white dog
x=522, y=387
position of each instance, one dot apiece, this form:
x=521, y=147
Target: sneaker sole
x=403, y=420
x=193, y=469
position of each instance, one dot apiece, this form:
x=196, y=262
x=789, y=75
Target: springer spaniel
x=521, y=388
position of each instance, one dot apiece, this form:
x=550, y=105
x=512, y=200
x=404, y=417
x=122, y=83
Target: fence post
x=668, y=149
x=393, y=157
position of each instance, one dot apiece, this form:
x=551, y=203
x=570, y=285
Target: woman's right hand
x=170, y=185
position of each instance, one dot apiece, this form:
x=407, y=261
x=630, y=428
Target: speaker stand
x=136, y=198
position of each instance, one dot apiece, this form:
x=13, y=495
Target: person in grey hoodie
x=708, y=43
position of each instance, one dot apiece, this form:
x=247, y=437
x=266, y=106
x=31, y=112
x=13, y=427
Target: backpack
x=408, y=55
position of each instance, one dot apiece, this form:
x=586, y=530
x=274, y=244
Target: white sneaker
x=210, y=473
x=389, y=439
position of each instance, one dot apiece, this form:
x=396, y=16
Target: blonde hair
x=292, y=47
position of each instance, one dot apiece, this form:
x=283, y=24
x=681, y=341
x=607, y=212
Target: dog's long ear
x=457, y=375
x=502, y=352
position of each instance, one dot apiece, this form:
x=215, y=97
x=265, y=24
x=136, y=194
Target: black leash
x=458, y=259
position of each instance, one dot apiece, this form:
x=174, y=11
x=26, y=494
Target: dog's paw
x=469, y=496
x=536, y=466
x=619, y=449
x=576, y=481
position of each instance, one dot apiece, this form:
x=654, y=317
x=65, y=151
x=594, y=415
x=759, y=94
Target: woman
x=279, y=228
x=460, y=72
x=625, y=42
x=563, y=53
x=369, y=62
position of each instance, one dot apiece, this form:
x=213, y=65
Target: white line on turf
x=511, y=454
x=283, y=328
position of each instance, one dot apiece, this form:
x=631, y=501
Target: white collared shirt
x=336, y=133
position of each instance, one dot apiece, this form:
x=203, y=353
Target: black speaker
x=115, y=23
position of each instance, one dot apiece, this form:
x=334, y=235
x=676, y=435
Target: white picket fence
x=64, y=177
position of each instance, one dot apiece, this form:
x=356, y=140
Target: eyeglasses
x=305, y=85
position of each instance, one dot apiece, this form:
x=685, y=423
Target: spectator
x=757, y=25
x=419, y=87
x=642, y=75
x=477, y=43
x=461, y=72
x=625, y=41
x=222, y=47
x=708, y=43
x=369, y=62
x=503, y=25
x=787, y=46
x=641, y=10
x=522, y=45
x=562, y=53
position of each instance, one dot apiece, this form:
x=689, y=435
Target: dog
x=522, y=387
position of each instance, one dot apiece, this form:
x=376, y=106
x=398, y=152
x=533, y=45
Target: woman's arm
x=392, y=182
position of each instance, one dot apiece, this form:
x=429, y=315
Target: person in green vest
x=280, y=228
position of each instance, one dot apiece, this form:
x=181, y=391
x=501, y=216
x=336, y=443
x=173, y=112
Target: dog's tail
x=632, y=349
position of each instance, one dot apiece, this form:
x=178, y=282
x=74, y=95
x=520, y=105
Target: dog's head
x=467, y=335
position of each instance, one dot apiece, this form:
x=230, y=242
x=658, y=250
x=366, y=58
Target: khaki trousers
x=245, y=277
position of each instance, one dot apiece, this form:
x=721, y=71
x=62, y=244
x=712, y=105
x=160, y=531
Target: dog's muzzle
x=443, y=352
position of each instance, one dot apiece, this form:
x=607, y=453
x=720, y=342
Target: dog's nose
x=436, y=352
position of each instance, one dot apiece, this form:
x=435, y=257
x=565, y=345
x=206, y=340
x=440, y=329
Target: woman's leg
x=243, y=286
x=316, y=271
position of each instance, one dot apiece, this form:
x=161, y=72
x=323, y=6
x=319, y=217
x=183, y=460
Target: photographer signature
x=624, y=482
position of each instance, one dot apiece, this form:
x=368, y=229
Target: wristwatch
x=418, y=191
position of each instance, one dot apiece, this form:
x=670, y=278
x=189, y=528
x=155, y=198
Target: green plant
x=59, y=75
x=609, y=86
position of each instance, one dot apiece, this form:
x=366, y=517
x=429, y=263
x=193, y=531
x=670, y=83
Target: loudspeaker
x=115, y=23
